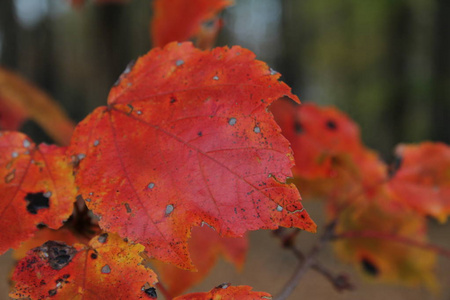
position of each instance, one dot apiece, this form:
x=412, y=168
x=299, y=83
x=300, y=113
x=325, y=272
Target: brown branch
x=340, y=282
x=394, y=238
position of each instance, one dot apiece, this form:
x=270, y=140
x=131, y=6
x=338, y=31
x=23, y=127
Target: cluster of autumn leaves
x=381, y=210
x=186, y=143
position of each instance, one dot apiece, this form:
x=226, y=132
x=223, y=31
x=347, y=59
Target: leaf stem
x=340, y=282
x=395, y=238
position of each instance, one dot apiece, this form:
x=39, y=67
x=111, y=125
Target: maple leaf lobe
x=162, y=177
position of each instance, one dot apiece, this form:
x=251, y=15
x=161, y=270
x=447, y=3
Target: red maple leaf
x=107, y=268
x=179, y=20
x=317, y=135
x=37, y=187
x=423, y=178
x=186, y=138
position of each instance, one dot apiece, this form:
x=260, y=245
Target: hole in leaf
x=102, y=238
x=151, y=292
x=37, y=201
x=106, y=269
x=59, y=254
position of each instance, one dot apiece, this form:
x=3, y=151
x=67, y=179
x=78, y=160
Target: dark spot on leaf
x=369, y=267
x=102, y=238
x=36, y=201
x=41, y=226
x=199, y=133
x=58, y=254
x=65, y=276
x=128, y=208
x=331, y=125
x=151, y=292
x=173, y=100
x=94, y=256
x=52, y=292
x=298, y=127
x=42, y=282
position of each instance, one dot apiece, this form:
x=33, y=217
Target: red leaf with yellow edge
x=225, y=291
x=205, y=247
x=317, y=135
x=44, y=235
x=422, y=180
x=386, y=259
x=186, y=139
x=108, y=268
x=37, y=186
x=179, y=20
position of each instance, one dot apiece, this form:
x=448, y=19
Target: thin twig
x=308, y=261
x=394, y=238
x=340, y=282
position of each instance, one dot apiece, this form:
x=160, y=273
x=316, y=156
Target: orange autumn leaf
x=108, y=268
x=225, y=291
x=330, y=158
x=423, y=178
x=205, y=247
x=37, y=187
x=384, y=259
x=317, y=135
x=20, y=99
x=179, y=20
x=186, y=139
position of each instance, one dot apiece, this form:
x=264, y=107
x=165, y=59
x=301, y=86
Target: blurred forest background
x=386, y=63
